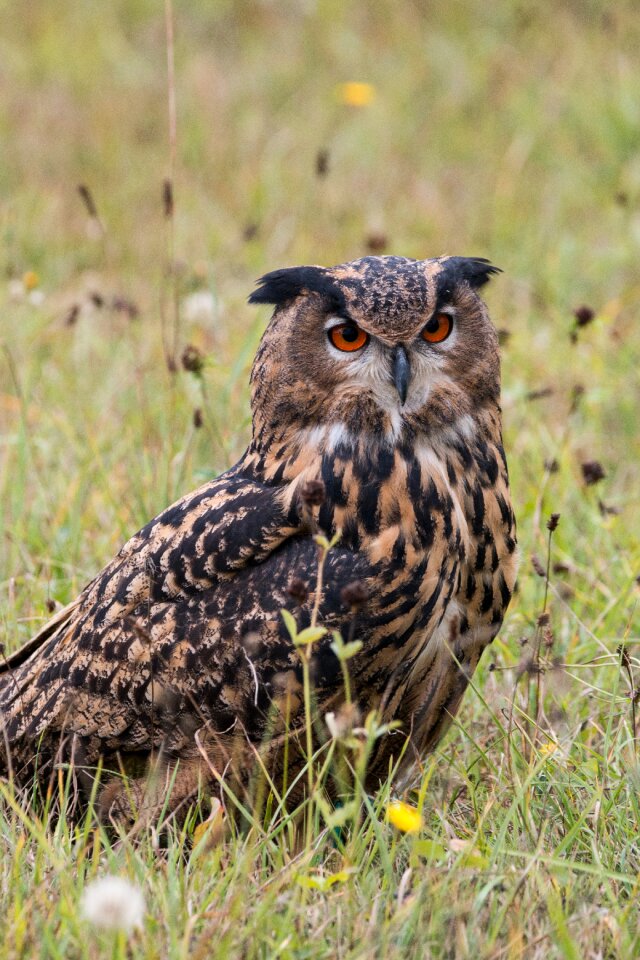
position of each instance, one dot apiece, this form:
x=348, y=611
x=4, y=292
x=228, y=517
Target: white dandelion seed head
x=36, y=298
x=199, y=307
x=113, y=903
x=16, y=289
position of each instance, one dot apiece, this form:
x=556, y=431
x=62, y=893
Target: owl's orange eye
x=438, y=328
x=348, y=337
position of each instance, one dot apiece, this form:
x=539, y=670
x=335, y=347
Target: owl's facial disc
x=394, y=374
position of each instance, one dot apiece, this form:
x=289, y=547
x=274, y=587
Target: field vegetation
x=136, y=211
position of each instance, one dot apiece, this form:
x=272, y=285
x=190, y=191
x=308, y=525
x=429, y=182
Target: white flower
x=332, y=725
x=112, y=903
x=199, y=307
x=36, y=297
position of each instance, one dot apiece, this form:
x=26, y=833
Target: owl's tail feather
x=52, y=626
x=17, y=687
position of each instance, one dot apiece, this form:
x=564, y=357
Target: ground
x=509, y=130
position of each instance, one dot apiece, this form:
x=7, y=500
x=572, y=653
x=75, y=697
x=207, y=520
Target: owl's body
x=179, y=644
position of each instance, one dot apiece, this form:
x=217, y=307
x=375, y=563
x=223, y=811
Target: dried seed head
x=126, y=306
x=623, y=653
x=593, y=472
x=193, y=359
x=607, y=510
x=322, y=163
x=553, y=521
x=113, y=903
x=539, y=394
x=537, y=565
x=250, y=232
x=532, y=667
x=167, y=198
x=313, y=493
x=551, y=466
x=50, y=604
x=87, y=199
x=377, y=242
x=298, y=590
x=576, y=395
x=197, y=418
x=97, y=299
x=355, y=594
x=584, y=315
x=72, y=315
x=544, y=619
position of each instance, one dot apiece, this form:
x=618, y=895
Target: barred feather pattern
x=180, y=641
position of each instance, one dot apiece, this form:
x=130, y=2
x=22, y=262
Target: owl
x=376, y=422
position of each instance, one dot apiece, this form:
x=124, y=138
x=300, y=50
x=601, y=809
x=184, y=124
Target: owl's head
x=379, y=345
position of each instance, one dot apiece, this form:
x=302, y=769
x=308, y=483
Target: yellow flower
x=548, y=749
x=356, y=94
x=320, y=882
x=30, y=280
x=404, y=817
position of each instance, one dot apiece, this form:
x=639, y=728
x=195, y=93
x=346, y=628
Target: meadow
x=138, y=204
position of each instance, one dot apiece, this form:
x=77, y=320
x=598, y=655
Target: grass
x=508, y=130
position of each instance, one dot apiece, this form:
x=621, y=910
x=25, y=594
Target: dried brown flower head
x=72, y=315
x=298, y=590
x=537, y=565
x=355, y=594
x=377, y=242
x=322, y=163
x=584, y=315
x=193, y=359
x=593, y=472
x=167, y=198
x=553, y=521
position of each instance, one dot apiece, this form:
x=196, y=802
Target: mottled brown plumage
x=178, y=645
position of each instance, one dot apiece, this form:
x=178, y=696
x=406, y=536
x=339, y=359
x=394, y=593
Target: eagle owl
x=380, y=378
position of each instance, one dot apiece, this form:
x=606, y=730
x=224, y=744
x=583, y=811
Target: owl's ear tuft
x=476, y=271
x=281, y=286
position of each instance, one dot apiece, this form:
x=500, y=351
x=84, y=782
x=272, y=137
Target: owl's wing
x=187, y=614
x=200, y=540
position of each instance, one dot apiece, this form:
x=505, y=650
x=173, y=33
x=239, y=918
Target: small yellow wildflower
x=355, y=94
x=548, y=749
x=404, y=816
x=322, y=882
x=30, y=280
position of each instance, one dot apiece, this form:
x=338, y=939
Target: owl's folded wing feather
x=184, y=627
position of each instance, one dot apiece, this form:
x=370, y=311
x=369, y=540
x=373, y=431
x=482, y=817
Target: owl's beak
x=401, y=372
